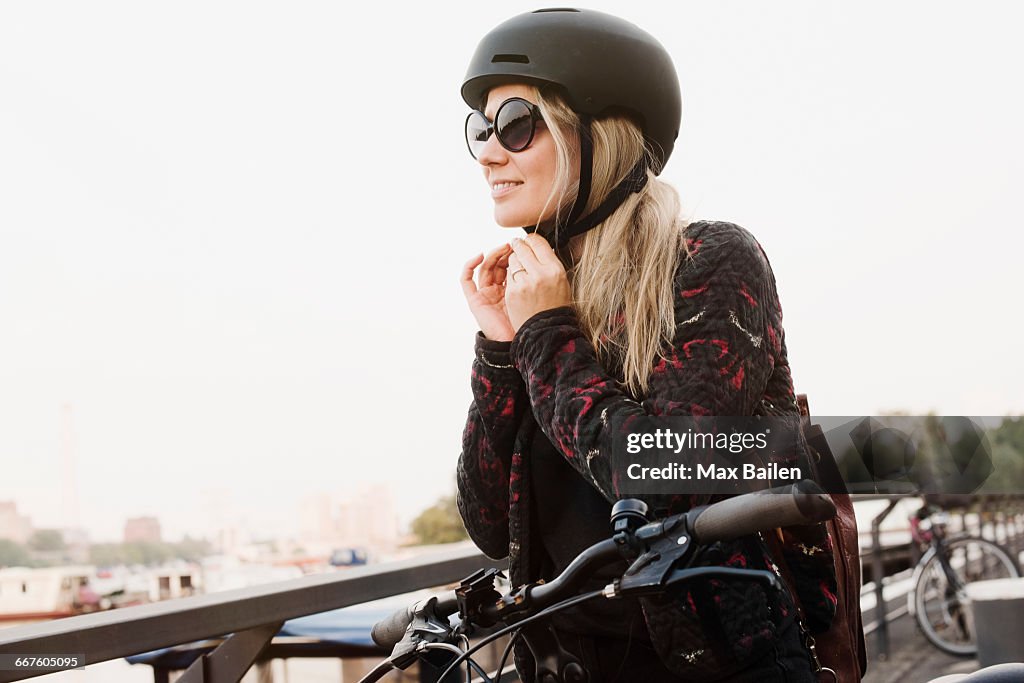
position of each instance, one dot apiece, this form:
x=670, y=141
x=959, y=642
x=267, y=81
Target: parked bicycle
x=939, y=599
x=659, y=554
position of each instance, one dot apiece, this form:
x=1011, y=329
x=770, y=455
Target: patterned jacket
x=728, y=358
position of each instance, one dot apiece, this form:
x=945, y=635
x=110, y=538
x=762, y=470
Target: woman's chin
x=508, y=219
x=517, y=219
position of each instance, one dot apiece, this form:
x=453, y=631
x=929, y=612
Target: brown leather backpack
x=840, y=650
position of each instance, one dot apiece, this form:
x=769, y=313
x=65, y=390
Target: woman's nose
x=492, y=152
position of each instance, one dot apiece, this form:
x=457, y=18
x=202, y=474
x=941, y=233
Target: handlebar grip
x=798, y=504
x=387, y=632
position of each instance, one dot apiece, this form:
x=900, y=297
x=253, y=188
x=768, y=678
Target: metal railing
x=251, y=615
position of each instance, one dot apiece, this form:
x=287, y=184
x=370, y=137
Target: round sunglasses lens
x=476, y=133
x=514, y=124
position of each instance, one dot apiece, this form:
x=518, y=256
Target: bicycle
x=939, y=599
x=659, y=555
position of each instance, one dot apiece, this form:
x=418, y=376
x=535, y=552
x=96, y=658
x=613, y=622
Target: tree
x=192, y=549
x=147, y=553
x=13, y=554
x=1010, y=432
x=1007, y=442
x=47, y=540
x=439, y=523
x=106, y=554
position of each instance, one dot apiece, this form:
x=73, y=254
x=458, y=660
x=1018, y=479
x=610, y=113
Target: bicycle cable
x=546, y=612
x=469, y=661
x=506, y=653
x=464, y=642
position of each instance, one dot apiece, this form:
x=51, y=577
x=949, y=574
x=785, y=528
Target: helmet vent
x=556, y=9
x=516, y=59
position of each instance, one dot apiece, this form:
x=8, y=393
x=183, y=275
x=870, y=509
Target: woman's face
x=520, y=182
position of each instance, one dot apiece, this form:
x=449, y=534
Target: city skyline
x=350, y=521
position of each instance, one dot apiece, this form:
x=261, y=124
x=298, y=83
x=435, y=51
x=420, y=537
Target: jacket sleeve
x=717, y=365
x=485, y=464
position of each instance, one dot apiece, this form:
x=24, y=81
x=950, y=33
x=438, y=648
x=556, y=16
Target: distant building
x=316, y=526
x=222, y=519
x=14, y=527
x=142, y=529
x=369, y=518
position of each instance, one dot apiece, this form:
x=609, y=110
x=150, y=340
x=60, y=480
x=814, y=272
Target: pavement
x=912, y=659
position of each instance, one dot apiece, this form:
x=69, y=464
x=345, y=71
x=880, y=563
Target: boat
x=47, y=593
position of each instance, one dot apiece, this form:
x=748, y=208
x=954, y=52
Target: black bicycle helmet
x=603, y=65
x=602, y=62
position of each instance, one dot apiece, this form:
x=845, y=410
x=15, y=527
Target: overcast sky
x=231, y=232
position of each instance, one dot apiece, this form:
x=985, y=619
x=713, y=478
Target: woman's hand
x=486, y=297
x=536, y=280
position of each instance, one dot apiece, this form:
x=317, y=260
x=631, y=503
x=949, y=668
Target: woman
x=613, y=308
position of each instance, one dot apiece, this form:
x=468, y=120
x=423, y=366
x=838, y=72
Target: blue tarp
x=346, y=626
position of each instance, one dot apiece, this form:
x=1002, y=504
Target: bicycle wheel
x=942, y=607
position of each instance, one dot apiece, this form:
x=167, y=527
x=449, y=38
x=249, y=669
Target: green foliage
x=1007, y=441
x=105, y=554
x=439, y=523
x=145, y=553
x=192, y=549
x=13, y=554
x=47, y=540
x=1010, y=432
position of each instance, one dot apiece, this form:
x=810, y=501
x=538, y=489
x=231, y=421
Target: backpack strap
x=801, y=402
x=842, y=646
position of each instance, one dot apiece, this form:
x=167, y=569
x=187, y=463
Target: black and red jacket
x=728, y=358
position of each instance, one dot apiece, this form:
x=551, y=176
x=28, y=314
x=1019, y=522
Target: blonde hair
x=622, y=282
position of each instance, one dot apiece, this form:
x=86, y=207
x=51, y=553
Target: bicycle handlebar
x=794, y=505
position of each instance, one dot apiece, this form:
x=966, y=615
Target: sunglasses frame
x=535, y=116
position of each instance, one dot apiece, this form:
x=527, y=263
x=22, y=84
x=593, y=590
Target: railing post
x=232, y=658
x=264, y=672
x=1015, y=519
x=882, y=634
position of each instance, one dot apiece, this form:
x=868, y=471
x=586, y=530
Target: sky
x=231, y=232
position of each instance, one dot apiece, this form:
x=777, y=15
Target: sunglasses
x=514, y=124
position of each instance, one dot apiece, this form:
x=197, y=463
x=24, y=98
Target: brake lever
x=763, y=575
x=650, y=571
x=426, y=627
x=659, y=567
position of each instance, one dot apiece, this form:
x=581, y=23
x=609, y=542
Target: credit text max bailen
x=748, y=471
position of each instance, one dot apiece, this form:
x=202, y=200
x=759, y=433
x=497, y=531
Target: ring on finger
x=521, y=270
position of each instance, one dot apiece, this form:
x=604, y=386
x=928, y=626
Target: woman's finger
x=466, y=280
x=542, y=249
x=488, y=276
x=501, y=268
x=527, y=258
x=516, y=270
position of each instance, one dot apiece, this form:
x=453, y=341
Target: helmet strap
x=586, y=170
x=634, y=181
